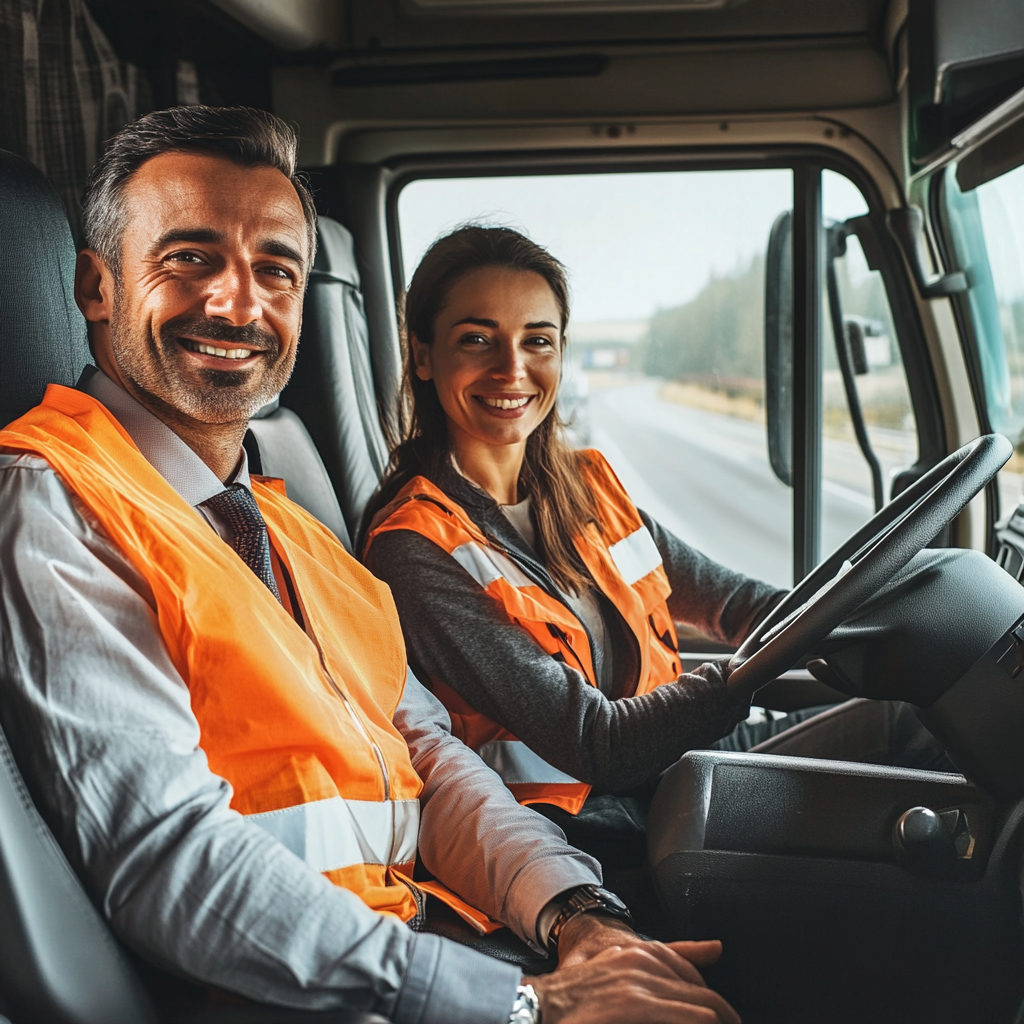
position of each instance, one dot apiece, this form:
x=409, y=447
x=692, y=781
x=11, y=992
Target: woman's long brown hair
x=551, y=476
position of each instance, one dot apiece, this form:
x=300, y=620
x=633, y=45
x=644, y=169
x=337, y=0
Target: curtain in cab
x=65, y=92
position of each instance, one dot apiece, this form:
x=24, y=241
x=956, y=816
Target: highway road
x=706, y=477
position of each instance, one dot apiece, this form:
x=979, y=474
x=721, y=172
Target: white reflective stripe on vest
x=515, y=762
x=337, y=833
x=486, y=565
x=636, y=555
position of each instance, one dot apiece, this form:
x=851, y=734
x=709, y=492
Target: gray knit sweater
x=456, y=632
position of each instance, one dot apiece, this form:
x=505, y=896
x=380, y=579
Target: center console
x=842, y=892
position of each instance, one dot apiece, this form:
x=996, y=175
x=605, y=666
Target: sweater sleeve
x=724, y=605
x=456, y=632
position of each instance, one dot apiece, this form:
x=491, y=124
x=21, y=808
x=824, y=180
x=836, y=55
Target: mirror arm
x=837, y=247
x=906, y=225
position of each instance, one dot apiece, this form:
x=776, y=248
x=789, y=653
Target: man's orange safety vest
x=625, y=564
x=298, y=722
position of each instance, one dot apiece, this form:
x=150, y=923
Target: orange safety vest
x=298, y=722
x=624, y=562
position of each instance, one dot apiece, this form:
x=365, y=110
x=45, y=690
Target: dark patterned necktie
x=239, y=510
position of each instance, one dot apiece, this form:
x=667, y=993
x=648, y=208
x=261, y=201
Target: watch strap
x=586, y=899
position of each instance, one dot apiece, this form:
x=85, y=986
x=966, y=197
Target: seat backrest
x=283, y=448
x=332, y=387
x=42, y=332
x=58, y=960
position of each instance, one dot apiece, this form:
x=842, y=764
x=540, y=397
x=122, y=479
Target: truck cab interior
x=795, y=235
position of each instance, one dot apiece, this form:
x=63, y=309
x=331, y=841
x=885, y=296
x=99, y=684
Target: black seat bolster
x=60, y=963
x=287, y=451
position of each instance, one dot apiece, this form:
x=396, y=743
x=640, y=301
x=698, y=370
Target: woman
x=535, y=599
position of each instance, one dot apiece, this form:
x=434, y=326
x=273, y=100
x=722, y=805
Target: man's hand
x=632, y=981
x=586, y=935
x=589, y=934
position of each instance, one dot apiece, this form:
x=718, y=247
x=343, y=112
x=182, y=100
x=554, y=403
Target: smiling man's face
x=204, y=321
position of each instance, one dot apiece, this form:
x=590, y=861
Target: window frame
x=806, y=164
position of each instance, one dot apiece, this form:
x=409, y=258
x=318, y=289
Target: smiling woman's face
x=496, y=357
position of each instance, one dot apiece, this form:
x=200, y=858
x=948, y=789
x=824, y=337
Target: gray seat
x=330, y=396
x=59, y=963
x=42, y=333
x=278, y=445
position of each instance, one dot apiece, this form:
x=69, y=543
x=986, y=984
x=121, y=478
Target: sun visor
x=963, y=61
x=1000, y=154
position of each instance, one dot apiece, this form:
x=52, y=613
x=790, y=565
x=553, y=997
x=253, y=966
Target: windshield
x=987, y=231
x=666, y=349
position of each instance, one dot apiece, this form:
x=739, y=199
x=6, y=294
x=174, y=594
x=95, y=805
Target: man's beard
x=155, y=366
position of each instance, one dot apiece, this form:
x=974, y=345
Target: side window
x=869, y=432
x=665, y=364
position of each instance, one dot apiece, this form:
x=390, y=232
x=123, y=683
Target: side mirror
x=778, y=346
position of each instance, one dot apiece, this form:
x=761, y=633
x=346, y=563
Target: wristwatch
x=526, y=1008
x=585, y=899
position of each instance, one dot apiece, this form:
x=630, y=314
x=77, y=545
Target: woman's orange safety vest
x=624, y=562
x=298, y=722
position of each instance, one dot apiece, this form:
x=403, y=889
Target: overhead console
x=963, y=63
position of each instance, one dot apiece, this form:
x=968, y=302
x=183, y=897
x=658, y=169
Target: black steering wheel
x=861, y=566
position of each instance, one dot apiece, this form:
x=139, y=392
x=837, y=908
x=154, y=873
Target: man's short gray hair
x=249, y=137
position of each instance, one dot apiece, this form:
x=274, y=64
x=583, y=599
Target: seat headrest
x=335, y=254
x=42, y=332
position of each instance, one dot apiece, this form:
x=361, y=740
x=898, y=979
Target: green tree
x=720, y=331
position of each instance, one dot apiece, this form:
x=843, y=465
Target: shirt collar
x=167, y=453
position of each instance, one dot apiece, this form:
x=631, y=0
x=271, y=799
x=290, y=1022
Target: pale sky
x=632, y=243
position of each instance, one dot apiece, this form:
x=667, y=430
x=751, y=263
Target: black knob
x=923, y=844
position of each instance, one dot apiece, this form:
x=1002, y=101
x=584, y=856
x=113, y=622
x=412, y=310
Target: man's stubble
x=152, y=366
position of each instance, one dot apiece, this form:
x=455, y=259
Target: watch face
x=611, y=900
x=591, y=897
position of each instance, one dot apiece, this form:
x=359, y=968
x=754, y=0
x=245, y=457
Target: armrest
x=502, y=944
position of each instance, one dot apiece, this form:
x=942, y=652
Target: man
x=209, y=697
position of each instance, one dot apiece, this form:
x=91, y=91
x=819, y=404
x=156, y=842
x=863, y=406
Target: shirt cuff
x=538, y=884
x=446, y=983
